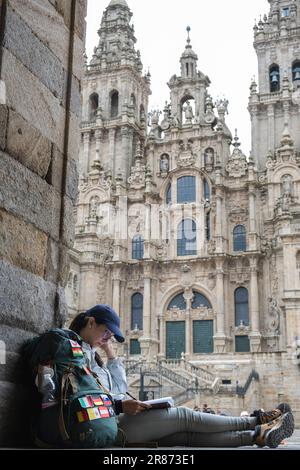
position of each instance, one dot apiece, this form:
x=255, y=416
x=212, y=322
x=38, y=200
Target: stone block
x=33, y=53
x=78, y=58
x=34, y=200
x=47, y=24
x=13, y=370
x=72, y=181
x=74, y=136
x=64, y=8
x=69, y=223
x=21, y=244
x=57, y=269
x=28, y=302
x=55, y=174
x=3, y=125
x=33, y=100
x=14, y=337
x=15, y=416
x=28, y=145
x=75, y=103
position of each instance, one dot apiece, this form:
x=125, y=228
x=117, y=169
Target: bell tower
x=190, y=85
x=274, y=102
x=115, y=96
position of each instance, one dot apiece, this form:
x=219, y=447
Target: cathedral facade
x=195, y=244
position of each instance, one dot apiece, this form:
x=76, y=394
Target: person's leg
x=201, y=439
x=155, y=424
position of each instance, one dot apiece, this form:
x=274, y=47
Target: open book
x=160, y=403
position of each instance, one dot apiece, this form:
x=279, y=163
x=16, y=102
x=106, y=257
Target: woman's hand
x=133, y=407
x=108, y=349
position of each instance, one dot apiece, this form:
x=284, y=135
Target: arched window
x=114, y=104
x=138, y=247
x=200, y=300
x=177, y=302
x=296, y=72
x=187, y=238
x=274, y=78
x=206, y=190
x=137, y=312
x=93, y=105
x=186, y=189
x=169, y=194
x=239, y=238
x=241, y=307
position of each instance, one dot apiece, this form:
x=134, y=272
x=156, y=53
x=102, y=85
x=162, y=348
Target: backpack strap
x=67, y=379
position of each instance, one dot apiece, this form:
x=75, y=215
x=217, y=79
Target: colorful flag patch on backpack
x=106, y=400
x=97, y=401
x=76, y=349
x=86, y=402
x=104, y=412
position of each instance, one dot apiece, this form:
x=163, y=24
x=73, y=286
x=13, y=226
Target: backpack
x=82, y=414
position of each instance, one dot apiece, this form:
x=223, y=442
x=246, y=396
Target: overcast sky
x=221, y=35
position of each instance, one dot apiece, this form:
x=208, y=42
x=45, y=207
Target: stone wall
x=41, y=64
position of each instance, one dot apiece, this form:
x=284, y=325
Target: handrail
x=242, y=390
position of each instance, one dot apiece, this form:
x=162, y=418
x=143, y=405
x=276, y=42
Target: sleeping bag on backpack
x=81, y=414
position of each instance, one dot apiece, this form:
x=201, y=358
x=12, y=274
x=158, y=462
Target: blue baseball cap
x=106, y=314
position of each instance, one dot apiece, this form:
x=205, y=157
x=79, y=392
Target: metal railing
x=242, y=390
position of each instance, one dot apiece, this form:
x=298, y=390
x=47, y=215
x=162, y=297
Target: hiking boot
x=264, y=417
x=271, y=434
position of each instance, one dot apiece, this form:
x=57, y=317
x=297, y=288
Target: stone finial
x=236, y=143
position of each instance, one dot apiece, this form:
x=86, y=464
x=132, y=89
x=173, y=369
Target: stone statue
x=285, y=202
x=209, y=157
x=188, y=111
x=164, y=164
x=287, y=185
x=93, y=207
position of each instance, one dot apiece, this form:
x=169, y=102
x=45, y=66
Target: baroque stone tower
x=115, y=96
x=274, y=104
x=194, y=244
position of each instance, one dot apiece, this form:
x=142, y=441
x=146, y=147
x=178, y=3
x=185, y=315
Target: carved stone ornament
x=237, y=165
x=138, y=175
x=238, y=216
x=273, y=321
x=185, y=157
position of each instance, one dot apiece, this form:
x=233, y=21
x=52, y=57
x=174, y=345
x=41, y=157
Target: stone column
x=98, y=136
x=188, y=297
x=116, y=292
x=147, y=231
x=219, y=239
x=271, y=127
x=220, y=337
x=255, y=336
x=146, y=339
x=111, y=150
x=252, y=222
x=84, y=163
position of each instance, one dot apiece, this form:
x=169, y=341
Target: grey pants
x=182, y=426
